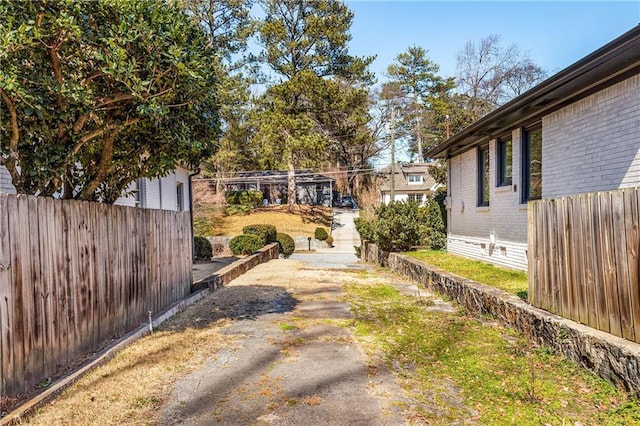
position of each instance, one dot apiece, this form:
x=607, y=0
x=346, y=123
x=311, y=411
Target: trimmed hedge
x=202, y=248
x=321, y=234
x=267, y=233
x=287, y=245
x=245, y=244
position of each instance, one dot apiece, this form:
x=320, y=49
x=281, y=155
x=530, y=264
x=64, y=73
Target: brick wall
x=593, y=144
x=472, y=229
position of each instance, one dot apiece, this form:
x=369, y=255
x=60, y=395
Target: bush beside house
x=399, y=226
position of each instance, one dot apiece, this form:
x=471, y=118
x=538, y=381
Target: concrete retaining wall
x=223, y=276
x=612, y=358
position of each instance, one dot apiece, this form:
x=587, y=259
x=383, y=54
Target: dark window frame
x=484, y=192
x=526, y=163
x=180, y=197
x=501, y=152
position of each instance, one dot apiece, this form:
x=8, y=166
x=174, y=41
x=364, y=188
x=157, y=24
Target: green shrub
x=245, y=244
x=437, y=234
x=249, y=198
x=286, y=243
x=321, y=234
x=202, y=248
x=267, y=233
x=365, y=228
x=329, y=241
x=396, y=226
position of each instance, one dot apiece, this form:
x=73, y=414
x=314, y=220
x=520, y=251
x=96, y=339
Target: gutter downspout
x=193, y=248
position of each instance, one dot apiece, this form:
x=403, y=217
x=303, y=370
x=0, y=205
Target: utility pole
x=446, y=117
x=393, y=153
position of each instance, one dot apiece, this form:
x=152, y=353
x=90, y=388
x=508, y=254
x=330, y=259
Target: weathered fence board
x=583, y=259
x=75, y=274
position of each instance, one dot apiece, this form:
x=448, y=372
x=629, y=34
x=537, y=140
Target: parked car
x=349, y=202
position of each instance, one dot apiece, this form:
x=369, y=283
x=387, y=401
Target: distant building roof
x=402, y=172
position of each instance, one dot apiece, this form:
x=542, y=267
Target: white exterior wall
x=497, y=233
x=159, y=193
x=593, y=144
x=5, y=181
x=386, y=198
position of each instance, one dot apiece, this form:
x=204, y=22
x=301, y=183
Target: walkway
x=292, y=363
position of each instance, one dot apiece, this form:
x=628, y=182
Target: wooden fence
x=73, y=275
x=584, y=259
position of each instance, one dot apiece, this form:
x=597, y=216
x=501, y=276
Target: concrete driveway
x=292, y=364
x=342, y=254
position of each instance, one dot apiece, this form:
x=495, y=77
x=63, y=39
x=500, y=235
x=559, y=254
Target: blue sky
x=554, y=33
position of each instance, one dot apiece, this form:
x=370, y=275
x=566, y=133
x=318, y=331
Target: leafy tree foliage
x=96, y=94
x=229, y=25
x=309, y=108
x=414, y=80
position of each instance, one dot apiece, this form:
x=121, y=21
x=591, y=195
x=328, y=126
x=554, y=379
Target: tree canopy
x=316, y=95
x=96, y=94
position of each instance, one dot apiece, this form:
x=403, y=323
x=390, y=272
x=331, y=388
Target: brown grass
x=299, y=222
x=131, y=387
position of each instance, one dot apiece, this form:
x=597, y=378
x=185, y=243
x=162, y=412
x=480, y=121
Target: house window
x=483, y=176
x=414, y=179
x=180, y=196
x=532, y=164
x=415, y=198
x=505, y=164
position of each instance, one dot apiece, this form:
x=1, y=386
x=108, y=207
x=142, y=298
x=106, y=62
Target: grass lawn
x=509, y=280
x=459, y=370
x=301, y=221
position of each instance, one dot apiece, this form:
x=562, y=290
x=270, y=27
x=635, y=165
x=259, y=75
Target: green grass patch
x=461, y=371
x=287, y=327
x=509, y=280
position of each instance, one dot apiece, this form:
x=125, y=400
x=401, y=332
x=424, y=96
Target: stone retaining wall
x=223, y=276
x=612, y=358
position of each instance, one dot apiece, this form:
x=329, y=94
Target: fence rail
x=584, y=259
x=75, y=274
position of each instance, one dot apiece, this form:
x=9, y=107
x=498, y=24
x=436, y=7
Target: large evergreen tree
x=414, y=78
x=306, y=45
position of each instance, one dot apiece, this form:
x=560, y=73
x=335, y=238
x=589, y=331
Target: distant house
x=170, y=192
x=576, y=132
x=312, y=188
x=412, y=182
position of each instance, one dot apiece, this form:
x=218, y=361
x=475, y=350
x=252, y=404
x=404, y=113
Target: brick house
x=576, y=132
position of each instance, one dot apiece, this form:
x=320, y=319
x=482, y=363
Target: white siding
x=5, y=181
x=497, y=233
x=504, y=253
x=593, y=144
x=159, y=193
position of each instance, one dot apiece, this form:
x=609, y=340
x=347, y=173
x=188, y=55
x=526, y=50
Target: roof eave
x=588, y=75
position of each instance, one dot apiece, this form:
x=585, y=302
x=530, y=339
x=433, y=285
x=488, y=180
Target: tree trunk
x=291, y=188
